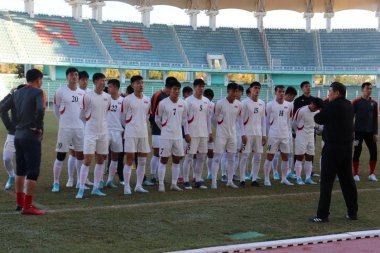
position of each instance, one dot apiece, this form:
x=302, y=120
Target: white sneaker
x=88, y=182
x=175, y=187
x=357, y=178
x=70, y=184
x=232, y=185
x=140, y=190
x=372, y=178
x=214, y=186
x=161, y=188
x=286, y=182
x=127, y=190
x=267, y=183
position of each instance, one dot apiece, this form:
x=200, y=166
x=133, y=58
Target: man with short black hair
x=366, y=128
x=29, y=106
x=337, y=118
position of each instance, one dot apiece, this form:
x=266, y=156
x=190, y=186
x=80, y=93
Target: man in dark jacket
x=337, y=118
x=29, y=106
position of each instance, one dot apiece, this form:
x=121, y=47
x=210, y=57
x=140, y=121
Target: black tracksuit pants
x=337, y=160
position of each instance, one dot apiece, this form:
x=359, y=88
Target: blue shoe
x=101, y=184
x=300, y=182
x=55, y=187
x=97, y=192
x=109, y=184
x=310, y=181
x=224, y=179
x=248, y=178
x=291, y=175
x=209, y=177
x=85, y=187
x=276, y=176
x=10, y=183
x=148, y=183
x=80, y=194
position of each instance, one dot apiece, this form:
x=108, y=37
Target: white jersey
x=254, y=117
x=278, y=118
x=95, y=109
x=198, y=116
x=69, y=104
x=227, y=115
x=304, y=123
x=170, y=117
x=136, y=111
x=114, y=115
x=213, y=119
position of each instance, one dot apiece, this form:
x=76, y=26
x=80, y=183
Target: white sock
x=71, y=167
x=7, y=158
x=98, y=174
x=267, y=168
x=78, y=166
x=112, y=171
x=175, y=173
x=141, y=164
x=256, y=160
x=198, y=169
x=186, y=167
x=284, y=170
x=209, y=166
x=243, y=166
x=57, y=170
x=127, y=171
x=223, y=165
x=181, y=168
x=236, y=162
x=83, y=175
x=193, y=165
x=308, y=168
x=154, y=166
x=298, y=168
x=215, y=167
x=290, y=162
x=161, y=173
x=230, y=166
x=275, y=162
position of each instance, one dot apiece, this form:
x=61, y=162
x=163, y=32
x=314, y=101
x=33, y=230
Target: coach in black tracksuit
x=337, y=118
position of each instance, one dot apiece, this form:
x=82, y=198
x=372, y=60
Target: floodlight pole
x=193, y=16
x=76, y=6
x=97, y=10
x=29, y=7
x=145, y=14
x=308, y=16
x=212, y=18
x=328, y=16
x=260, y=20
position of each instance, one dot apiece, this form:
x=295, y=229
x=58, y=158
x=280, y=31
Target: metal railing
x=98, y=41
x=179, y=46
x=242, y=47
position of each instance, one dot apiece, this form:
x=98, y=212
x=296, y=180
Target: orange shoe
x=32, y=210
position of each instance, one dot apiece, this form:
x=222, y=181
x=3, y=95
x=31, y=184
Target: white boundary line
x=286, y=243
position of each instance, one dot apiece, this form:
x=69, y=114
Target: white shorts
x=171, y=147
x=254, y=144
x=198, y=144
x=238, y=143
x=278, y=144
x=156, y=141
x=116, y=141
x=225, y=144
x=134, y=145
x=98, y=143
x=9, y=144
x=69, y=137
x=304, y=147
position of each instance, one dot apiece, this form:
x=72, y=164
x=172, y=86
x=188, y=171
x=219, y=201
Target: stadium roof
x=263, y=5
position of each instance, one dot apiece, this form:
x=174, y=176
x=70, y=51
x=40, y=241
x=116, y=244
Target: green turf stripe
x=246, y=235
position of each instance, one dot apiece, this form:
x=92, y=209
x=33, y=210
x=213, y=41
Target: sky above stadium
x=230, y=17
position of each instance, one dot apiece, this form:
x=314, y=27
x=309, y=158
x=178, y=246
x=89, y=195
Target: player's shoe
x=55, y=187
x=200, y=185
x=291, y=175
x=276, y=176
x=80, y=194
x=357, y=178
x=300, y=181
x=88, y=182
x=69, y=184
x=267, y=183
x=10, y=183
x=224, y=179
x=85, y=186
x=161, y=188
x=248, y=178
x=316, y=219
x=122, y=182
x=209, y=177
x=286, y=182
x=140, y=190
x=232, y=185
x=372, y=178
x=309, y=181
x=127, y=190
x=242, y=184
x=149, y=182
x=175, y=187
x=180, y=180
x=97, y=192
x=255, y=184
x=236, y=178
x=101, y=184
x=258, y=178
x=110, y=184
x=351, y=217
x=187, y=186
x=32, y=210
x=214, y=186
